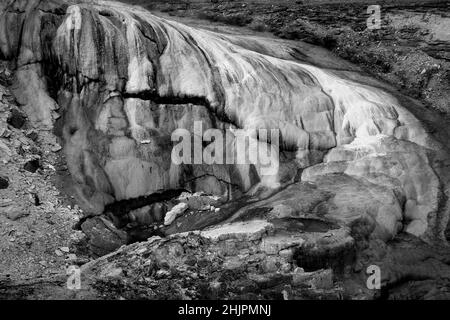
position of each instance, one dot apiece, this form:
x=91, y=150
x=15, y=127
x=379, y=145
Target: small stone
x=36, y=200
x=162, y=273
x=16, y=119
x=56, y=148
x=15, y=212
x=286, y=254
x=4, y=150
x=174, y=213
x=4, y=133
x=299, y=270
x=33, y=135
x=32, y=165
x=71, y=257
x=4, y=182
x=65, y=249
x=286, y=267
x=191, y=261
x=58, y=253
x=103, y=236
x=270, y=264
x=282, y=211
x=215, y=285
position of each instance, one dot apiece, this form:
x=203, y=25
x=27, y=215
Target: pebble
x=56, y=148
x=4, y=182
x=32, y=165
x=4, y=133
x=65, y=249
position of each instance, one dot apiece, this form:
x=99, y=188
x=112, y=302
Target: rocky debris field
x=36, y=219
x=90, y=95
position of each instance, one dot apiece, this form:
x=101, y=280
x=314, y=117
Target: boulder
x=174, y=213
x=14, y=212
x=103, y=236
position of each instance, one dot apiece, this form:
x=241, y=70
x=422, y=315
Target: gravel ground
x=36, y=219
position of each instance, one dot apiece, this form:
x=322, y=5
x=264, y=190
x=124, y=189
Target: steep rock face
x=125, y=80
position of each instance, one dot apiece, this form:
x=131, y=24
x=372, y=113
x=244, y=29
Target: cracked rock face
x=123, y=80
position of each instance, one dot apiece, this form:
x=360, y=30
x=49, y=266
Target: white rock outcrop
x=173, y=213
x=122, y=76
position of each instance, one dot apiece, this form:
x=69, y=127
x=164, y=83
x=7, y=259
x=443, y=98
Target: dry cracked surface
x=362, y=179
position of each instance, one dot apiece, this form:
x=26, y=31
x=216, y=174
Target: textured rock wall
x=125, y=79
